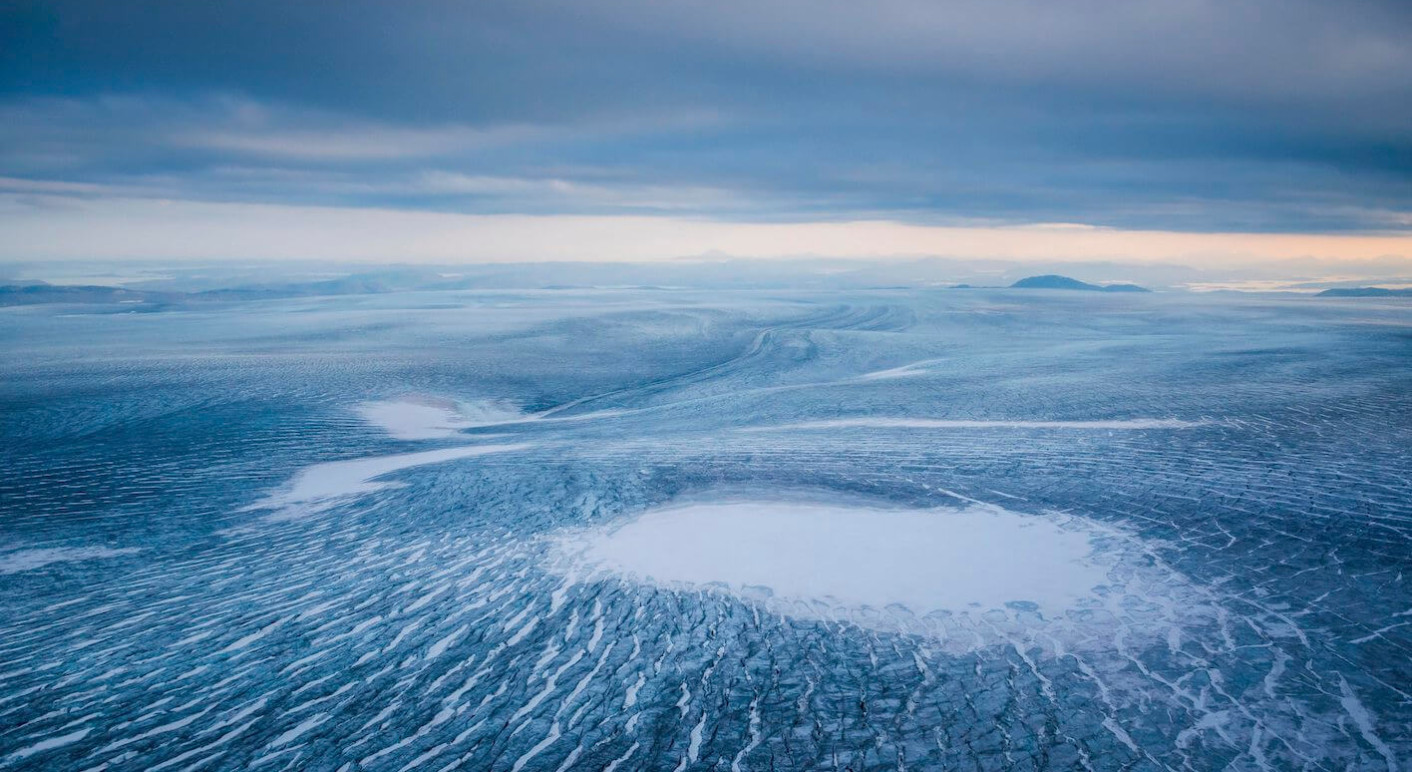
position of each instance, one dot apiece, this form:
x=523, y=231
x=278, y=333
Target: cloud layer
x=1152, y=115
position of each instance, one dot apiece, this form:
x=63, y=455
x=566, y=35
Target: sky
x=430, y=131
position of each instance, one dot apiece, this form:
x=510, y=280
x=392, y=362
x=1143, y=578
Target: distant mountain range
x=1056, y=282
x=152, y=300
x=1365, y=292
x=158, y=296
x=33, y=294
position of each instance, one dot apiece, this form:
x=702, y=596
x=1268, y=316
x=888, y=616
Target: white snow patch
x=429, y=418
x=978, y=558
x=317, y=486
x=49, y=744
x=942, y=423
x=29, y=559
x=1363, y=719
x=296, y=732
x=912, y=370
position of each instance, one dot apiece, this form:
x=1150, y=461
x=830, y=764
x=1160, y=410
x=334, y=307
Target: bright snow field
x=979, y=558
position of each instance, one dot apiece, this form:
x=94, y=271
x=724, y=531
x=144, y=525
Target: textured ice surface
x=980, y=558
x=1236, y=468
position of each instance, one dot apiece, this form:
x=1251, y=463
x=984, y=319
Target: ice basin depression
x=928, y=560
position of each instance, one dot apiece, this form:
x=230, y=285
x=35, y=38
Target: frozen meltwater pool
x=929, y=560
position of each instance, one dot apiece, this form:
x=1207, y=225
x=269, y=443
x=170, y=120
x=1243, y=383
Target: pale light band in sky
x=76, y=228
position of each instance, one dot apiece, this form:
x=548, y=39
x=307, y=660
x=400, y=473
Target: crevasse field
x=672, y=530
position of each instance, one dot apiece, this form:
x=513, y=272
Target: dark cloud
x=1244, y=115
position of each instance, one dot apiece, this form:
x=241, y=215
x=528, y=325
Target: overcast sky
x=558, y=130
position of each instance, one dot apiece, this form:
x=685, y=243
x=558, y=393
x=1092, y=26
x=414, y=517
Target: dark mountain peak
x=1365, y=292
x=1055, y=281
x=1123, y=288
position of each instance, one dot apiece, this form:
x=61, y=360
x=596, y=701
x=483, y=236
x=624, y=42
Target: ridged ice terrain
x=671, y=530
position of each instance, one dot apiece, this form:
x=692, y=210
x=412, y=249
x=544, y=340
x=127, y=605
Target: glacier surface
x=668, y=529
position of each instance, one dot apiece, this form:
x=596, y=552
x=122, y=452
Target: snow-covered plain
x=631, y=529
